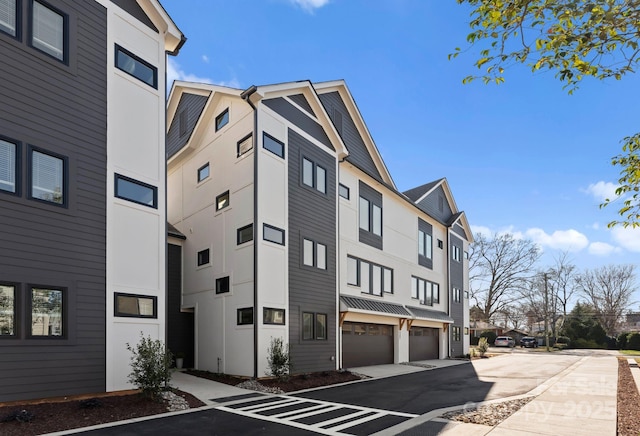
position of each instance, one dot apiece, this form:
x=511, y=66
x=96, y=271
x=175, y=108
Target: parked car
x=504, y=341
x=528, y=342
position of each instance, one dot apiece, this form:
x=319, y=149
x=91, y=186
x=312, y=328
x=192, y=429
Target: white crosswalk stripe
x=307, y=413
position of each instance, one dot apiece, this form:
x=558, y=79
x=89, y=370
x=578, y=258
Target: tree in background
x=582, y=327
x=499, y=267
x=608, y=289
x=575, y=39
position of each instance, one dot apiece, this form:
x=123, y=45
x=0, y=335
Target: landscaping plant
x=483, y=346
x=151, y=366
x=279, y=359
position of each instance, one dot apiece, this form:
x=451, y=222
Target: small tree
x=483, y=346
x=151, y=366
x=489, y=335
x=279, y=359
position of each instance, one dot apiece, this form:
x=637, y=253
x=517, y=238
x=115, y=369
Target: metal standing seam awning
x=430, y=315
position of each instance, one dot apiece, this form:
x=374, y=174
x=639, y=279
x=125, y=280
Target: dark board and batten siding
x=457, y=309
x=358, y=152
x=311, y=215
x=192, y=105
x=61, y=109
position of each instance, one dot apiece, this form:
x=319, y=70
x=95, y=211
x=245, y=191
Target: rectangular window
x=222, y=200
x=466, y=331
x=456, y=295
x=314, y=326
x=203, y=172
x=377, y=220
x=7, y=310
x=372, y=278
x=370, y=216
x=314, y=176
x=307, y=326
x=136, y=306
x=46, y=310
x=343, y=191
x=203, y=257
x=245, y=145
x=455, y=333
x=365, y=214
x=245, y=234
x=245, y=316
x=321, y=256
x=314, y=254
x=387, y=280
x=8, y=166
x=425, y=244
x=321, y=326
x=427, y=292
x=48, y=176
x=136, y=67
x=136, y=191
x=272, y=316
x=321, y=179
x=353, y=276
x=455, y=253
x=8, y=17
x=222, y=119
x=273, y=145
x=435, y=292
x=307, y=172
x=440, y=244
x=272, y=234
x=222, y=285
x=49, y=30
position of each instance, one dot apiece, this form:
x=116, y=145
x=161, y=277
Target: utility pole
x=546, y=313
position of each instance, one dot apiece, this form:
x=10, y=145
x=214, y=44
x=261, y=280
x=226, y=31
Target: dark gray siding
x=358, y=153
x=374, y=197
x=180, y=326
x=428, y=229
x=61, y=109
x=311, y=215
x=192, y=105
x=457, y=229
x=431, y=205
x=457, y=309
x=132, y=7
x=300, y=119
x=301, y=101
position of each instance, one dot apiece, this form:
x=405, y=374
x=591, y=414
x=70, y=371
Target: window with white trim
x=273, y=316
x=245, y=316
x=245, y=234
x=222, y=285
x=222, y=119
x=343, y=191
x=204, y=257
x=370, y=277
x=49, y=30
x=314, y=254
x=222, y=201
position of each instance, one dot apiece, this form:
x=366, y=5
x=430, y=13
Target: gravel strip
x=489, y=414
x=255, y=386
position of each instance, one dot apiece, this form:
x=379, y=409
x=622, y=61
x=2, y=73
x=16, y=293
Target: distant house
x=476, y=328
x=516, y=334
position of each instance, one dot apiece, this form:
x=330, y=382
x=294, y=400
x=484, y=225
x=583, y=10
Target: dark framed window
x=440, y=244
x=272, y=316
x=370, y=216
x=245, y=234
x=372, y=278
x=9, y=22
x=245, y=145
x=272, y=234
x=314, y=176
x=136, y=67
x=466, y=331
x=136, y=191
x=222, y=285
x=457, y=295
x=49, y=31
x=273, y=145
x=428, y=293
x=314, y=326
x=8, y=310
x=47, y=176
x=343, y=191
x=245, y=316
x=135, y=306
x=425, y=244
x=222, y=200
x=222, y=119
x=203, y=172
x=9, y=165
x=455, y=333
x=46, y=312
x=204, y=257
x=314, y=254
x=455, y=253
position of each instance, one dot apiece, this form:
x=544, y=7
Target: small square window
x=9, y=154
x=440, y=244
x=203, y=257
x=222, y=201
x=49, y=30
x=7, y=310
x=273, y=234
x=245, y=234
x=136, y=191
x=203, y=172
x=466, y=331
x=136, y=67
x=47, y=312
x=245, y=316
x=273, y=316
x=343, y=191
x=222, y=119
x=222, y=285
x=273, y=145
x=136, y=306
x=245, y=145
x=48, y=177
x=9, y=17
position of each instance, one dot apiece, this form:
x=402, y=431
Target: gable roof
x=416, y=193
x=174, y=39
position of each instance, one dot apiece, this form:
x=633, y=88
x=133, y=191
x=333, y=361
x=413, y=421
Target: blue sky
x=523, y=157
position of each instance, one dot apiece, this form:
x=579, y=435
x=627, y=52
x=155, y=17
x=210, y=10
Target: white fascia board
x=462, y=220
x=447, y=192
x=173, y=37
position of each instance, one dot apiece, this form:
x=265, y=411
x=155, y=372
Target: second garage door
x=423, y=343
x=366, y=344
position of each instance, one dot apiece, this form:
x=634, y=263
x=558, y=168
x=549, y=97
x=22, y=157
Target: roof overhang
x=173, y=37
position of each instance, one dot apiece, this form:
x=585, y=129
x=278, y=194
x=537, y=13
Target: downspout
x=246, y=96
x=449, y=292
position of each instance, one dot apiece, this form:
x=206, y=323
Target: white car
x=504, y=341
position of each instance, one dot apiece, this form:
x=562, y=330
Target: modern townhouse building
x=288, y=225
x=82, y=191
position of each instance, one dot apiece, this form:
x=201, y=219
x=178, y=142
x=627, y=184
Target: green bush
x=562, y=340
x=279, y=359
x=633, y=341
x=151, y=366
x=585, y=343
x=622, y=341
x=490, y=335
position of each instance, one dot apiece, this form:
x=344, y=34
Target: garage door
x=423, y=343
x=366, y=344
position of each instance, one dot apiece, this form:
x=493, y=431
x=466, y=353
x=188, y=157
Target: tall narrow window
x=8, y=17
x=7, y=310
x=364, y=214
x=204, y=257
x=370, y=216
x=455, y=333
x=321, y=326
x=8, y=166
x=377, y=220
x=47, y=312
x=47, y=177
x=307, y=326
x=136, y=67
x=48, y=30
x=222, y=119
x=425, y=244
x=455, y=253
x=321, y=179
x=136, y=191
x=353, y=272
x=314, y=254
x=183, y=122
x=307, y=172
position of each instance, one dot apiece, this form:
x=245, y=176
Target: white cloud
x=602, y=191
x=628, y=238
x=601, y=249
x=484, y=231
x=175, y=72
x=310, y=5
x=566, y=240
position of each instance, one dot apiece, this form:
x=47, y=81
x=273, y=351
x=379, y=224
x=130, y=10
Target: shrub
x=151, y=366
x=491, y=336
x=279, y=359
x=483, y=346
x=633, y=341
x=585, y=343
x=474, y=340
x=622, y=341
x=562, y=340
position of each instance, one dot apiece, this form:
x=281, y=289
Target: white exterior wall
x=136, y=234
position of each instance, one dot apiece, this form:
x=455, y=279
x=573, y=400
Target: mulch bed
x=294, y=383
x=33, y=419
x=628, y=401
